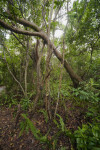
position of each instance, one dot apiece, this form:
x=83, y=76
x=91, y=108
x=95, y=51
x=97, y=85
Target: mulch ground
x=9, y=134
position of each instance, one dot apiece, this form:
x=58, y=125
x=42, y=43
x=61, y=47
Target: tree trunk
x=26, y=66
x=74, y=77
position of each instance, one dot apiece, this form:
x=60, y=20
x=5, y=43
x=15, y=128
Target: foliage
x=45, y=114
x=8, y=100
x=79, y=45
x=25, y=103
x=34, y=130
x=87, y=92
x=61, y=126
x=82, y=36
x=88, y=95
x=3, y=99
x=88, y=137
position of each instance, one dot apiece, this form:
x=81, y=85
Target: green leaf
x=61, y=123
x=35, y=131
x=45, y=114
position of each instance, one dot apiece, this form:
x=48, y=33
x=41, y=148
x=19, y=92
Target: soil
x=73, y=117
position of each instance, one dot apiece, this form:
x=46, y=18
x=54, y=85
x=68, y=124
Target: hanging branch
x=18, y=40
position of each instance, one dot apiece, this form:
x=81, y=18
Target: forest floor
x=9, y=134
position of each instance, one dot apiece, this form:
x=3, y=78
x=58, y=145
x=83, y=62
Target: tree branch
x=75, y=78
x=18, y=40
x=13, y=74
x=24, y=22
x=16, y=30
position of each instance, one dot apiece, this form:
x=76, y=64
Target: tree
x=16, y=9
x=82, y=36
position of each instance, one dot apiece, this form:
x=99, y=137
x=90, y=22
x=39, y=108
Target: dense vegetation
x=50, y=76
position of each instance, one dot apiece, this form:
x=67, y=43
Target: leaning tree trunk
x=74, y=77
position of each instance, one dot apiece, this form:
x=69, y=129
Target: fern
x=63, y=129
x=22, y=126
x=35, y=131
x=61, y=123
x=45, y=114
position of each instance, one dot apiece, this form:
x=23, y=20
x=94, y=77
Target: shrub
x=88, y=137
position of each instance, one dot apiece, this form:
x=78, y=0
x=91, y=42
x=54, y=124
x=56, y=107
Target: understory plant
x=63, y=130
x=51, y=143
x=28, y=125
x=88, y=137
